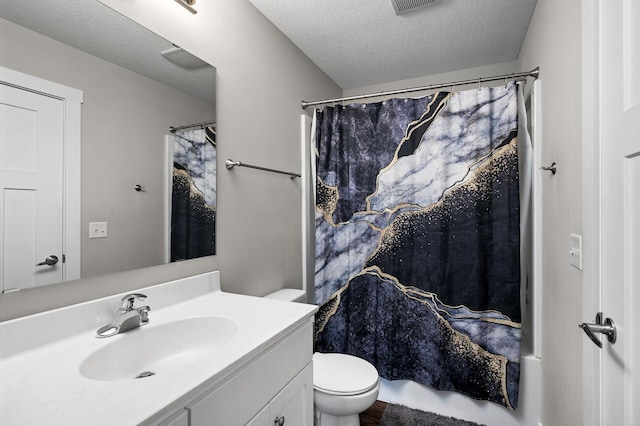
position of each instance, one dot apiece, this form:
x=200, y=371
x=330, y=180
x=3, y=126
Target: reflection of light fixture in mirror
x=182, y=58
x=188, y=4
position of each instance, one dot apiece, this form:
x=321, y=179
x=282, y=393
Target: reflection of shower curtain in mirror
x=193, y=206
x=417, y=239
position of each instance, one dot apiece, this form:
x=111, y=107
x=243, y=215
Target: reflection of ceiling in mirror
x=96, y=29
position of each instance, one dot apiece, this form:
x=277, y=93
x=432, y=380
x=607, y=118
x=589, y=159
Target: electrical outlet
x=98, y=230
x=575, y=251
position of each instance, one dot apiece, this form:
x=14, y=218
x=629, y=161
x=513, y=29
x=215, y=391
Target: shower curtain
x=418, y=239
x=193, y=205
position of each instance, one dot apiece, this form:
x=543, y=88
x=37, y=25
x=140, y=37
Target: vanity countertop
x=43, y=385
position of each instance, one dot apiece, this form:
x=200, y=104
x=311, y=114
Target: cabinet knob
x=279, y=421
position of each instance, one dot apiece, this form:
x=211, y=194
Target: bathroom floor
x=372, y=416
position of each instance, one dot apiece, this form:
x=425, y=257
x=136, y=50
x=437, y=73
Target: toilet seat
x=341, y=374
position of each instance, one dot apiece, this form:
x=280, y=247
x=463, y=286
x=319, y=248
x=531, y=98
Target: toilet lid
x=343, y=374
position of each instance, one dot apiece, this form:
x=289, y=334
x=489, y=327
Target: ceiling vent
x=405, y=6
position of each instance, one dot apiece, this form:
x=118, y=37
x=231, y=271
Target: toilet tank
x=288, y=295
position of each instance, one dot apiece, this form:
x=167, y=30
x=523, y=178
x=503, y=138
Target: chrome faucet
x=127, y=316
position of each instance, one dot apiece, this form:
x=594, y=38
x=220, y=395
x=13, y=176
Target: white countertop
x=43, y=385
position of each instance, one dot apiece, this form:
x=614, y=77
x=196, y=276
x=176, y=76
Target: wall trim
x=591, y=359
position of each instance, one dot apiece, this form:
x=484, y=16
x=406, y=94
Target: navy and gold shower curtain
x=418, y=241
x=193, y=205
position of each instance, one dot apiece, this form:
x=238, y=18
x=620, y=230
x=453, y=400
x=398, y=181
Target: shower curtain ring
x=479, y=83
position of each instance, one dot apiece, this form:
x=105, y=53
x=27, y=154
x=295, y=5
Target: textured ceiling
x=96, y=29
x=363, y=42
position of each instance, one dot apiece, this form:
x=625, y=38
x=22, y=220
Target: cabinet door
x=249, y=390
x=261, y=419
x=293, y=406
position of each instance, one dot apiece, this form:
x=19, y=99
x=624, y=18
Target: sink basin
x=156, y=349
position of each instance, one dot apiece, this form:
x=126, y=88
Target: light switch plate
x=575, y=251
x=98, y=230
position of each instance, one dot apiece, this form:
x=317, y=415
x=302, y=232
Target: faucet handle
x=143, y=311
x=129, y=300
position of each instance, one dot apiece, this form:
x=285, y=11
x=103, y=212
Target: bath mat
x=399, y=415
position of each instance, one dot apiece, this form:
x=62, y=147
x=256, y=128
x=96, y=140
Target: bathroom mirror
x=133, y=94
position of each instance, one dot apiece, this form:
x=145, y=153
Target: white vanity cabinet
x=276, y=383
x=246, y=361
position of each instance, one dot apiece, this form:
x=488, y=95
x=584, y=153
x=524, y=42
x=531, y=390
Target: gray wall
x=553, y=42
x=467, y=74
x=262, y=77
x=558, y=54
x=124, y=119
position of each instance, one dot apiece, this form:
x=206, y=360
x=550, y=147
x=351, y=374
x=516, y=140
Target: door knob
x=608, y=328
x=49, y=261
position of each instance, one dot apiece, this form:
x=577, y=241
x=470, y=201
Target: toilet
x=343, y=385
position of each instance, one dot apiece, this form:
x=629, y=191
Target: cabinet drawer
x=181, y=418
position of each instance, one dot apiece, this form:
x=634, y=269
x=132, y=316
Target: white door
x=31, y=188
x=617, y=43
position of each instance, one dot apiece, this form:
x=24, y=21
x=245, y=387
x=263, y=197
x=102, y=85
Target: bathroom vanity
x=206, y=357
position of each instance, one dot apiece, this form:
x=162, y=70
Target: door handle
x=49, y=261
x=608, y=328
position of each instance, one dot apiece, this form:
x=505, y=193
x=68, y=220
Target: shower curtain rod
x=202, y=125
x=515, y=76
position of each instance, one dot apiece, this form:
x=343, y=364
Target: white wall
x=124, y=119
x=553, y=42
x=262, y=77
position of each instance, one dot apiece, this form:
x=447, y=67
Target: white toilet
x=343, y=385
